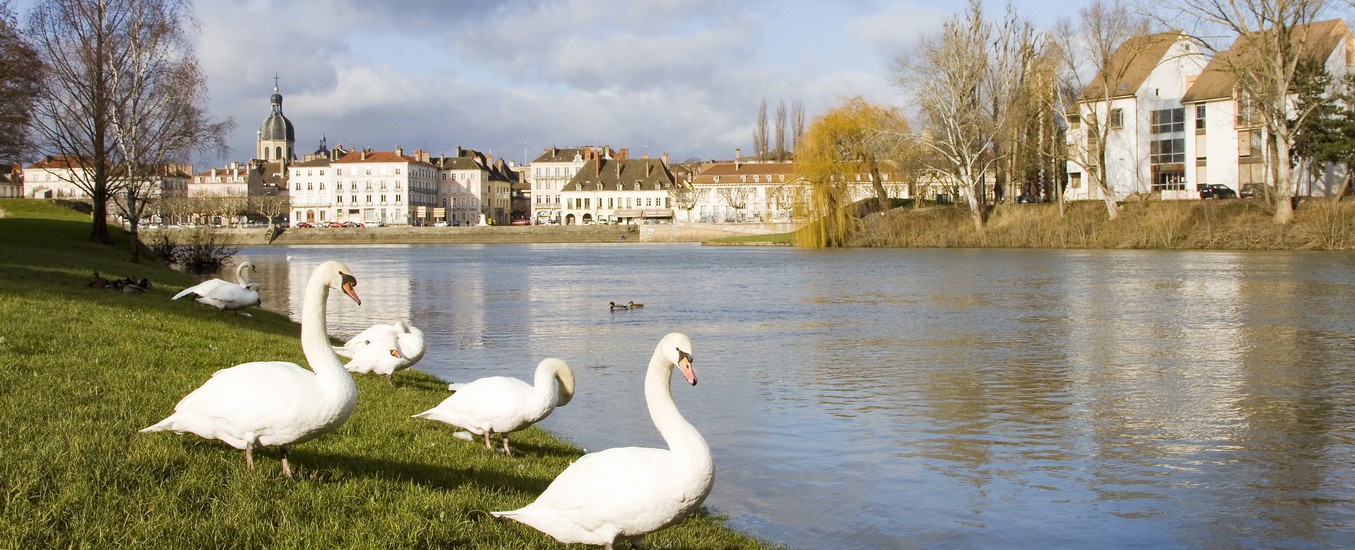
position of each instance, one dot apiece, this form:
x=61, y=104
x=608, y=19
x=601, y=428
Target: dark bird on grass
x=95, y=281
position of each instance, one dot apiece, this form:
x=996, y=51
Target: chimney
x=738, y=154
x=625, y=153
x=665, y=159
x=399, y=151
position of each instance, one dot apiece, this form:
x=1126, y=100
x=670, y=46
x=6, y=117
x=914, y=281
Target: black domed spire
x=276, y=126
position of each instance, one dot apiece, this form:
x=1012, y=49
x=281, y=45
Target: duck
x=502, y=405
x=618, y=307
x=97, y=281
x=277, y=403
x=407, y=340
x=225, y=295
x=634, y=305
x=627, y=492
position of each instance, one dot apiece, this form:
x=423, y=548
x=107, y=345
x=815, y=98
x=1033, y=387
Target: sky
x=513, y=77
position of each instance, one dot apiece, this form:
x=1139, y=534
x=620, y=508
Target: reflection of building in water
x=384, y=287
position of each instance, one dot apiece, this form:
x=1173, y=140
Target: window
x=1167, y=158
x=1117, y=118
x=1075, y=180
x=1247, y=114
x=1249, y=145
x=1168, y=120
x=1199, y=118
x=1167, y=151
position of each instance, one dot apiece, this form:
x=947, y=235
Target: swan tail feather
x=185, y=292
x=163, y=425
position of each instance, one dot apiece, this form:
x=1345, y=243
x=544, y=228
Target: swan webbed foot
x=487, y=444
x=505, y=446
x=249, y=456
x=286, y=470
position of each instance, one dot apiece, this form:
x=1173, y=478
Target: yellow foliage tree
x=852, y=139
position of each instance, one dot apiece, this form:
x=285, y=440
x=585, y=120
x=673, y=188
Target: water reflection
x=927, y=397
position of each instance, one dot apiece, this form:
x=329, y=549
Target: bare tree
x=780, y=153
x=20, y=78
x=1099, y=52
x=797, y=124
x=760, y=131
x=736, y=197
x=123, y=94
x=1274, y=39
x=964, y=79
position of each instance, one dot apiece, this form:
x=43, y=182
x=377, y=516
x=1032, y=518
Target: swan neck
x=242, y=275
x=315, y=333
x=681, y=436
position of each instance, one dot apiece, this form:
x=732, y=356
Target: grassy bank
x=81, y=370
x=1215, y=225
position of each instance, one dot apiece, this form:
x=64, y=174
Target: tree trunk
x=1284, y=185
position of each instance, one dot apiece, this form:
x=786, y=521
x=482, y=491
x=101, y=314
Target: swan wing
x=257, y=401
x=203, y=288
x=621, y=492
x=499, y=403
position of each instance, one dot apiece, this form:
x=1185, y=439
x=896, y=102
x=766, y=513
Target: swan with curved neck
x=627, y=492
x=499, y=404
x=276, y=403
x=225, y=295
x=408, y=343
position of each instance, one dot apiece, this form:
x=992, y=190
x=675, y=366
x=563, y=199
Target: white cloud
x=677, y=76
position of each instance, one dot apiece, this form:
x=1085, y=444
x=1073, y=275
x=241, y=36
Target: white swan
x=408, y=341
x=499, y=404
x=270, y=403
x=225, y=295
x=626, y=492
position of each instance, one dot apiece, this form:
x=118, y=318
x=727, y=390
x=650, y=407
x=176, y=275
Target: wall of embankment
x=488, y=234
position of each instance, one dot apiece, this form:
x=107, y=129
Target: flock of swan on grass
x=602, y=498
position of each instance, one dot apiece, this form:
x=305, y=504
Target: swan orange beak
x=348, y=283
x=685, y=365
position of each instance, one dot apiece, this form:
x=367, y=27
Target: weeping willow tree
x=852, y=140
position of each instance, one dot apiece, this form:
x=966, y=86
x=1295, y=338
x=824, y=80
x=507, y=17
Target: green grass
x=769, y=238
x=81, y=370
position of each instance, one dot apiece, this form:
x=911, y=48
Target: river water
x=925, y=398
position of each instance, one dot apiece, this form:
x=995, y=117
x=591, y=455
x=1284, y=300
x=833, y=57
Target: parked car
x=1253, y=190
x=521, y=222
x=439, y=224
x=1217, y=191
x=353, y=224
x=303, y=224
x=333, y=225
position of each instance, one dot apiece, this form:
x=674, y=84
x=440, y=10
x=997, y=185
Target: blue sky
x=678, y=76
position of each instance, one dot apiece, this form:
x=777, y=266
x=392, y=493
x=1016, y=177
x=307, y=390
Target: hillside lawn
x=81, y=370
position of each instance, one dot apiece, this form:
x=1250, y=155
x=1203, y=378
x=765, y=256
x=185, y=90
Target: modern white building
x=1146, y=131
x=1227, y=137
x=1177, y=120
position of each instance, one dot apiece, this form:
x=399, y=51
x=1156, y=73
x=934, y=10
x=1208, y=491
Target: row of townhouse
x=587, y=184
x=392, y=188
x=1176, y=121
x=65, y=177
